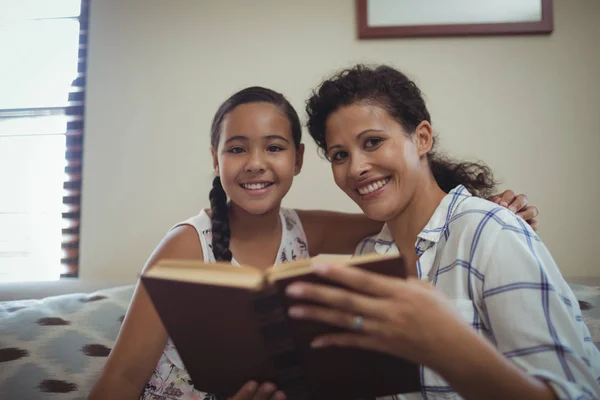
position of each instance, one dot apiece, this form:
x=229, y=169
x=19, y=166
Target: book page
x=221, y=274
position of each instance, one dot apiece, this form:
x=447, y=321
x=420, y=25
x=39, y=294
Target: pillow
x=56, y=347
x=589, y=302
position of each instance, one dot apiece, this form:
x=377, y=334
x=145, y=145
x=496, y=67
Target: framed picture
x=413, y=18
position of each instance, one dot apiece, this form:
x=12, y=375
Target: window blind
x=42, y=97
x=71, y=215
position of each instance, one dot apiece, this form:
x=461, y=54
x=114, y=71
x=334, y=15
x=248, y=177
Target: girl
x=256, y=151
x=486, y=311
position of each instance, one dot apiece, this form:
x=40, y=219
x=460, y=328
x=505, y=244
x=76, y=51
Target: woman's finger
x=338, y=298
x=340, y=319
x=357, y=279
x=355, y=340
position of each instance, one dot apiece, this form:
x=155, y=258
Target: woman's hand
x=413, y=320
x=519, y=205
x=407, y=318
x=253, y=391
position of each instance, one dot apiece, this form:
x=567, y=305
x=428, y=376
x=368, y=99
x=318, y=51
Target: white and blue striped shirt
x=505, y=284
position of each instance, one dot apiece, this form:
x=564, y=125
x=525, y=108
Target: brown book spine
x=275, y=329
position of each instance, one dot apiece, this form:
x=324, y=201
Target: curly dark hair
x=401, y=98
x=218, y=198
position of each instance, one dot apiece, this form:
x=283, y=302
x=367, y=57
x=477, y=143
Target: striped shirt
x=503, y=281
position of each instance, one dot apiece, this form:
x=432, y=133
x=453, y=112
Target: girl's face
x=256, y=158
x=374, y=160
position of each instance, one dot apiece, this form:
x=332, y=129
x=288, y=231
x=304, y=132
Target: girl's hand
x=407, y=318
x=519, y=204
x=253, y=391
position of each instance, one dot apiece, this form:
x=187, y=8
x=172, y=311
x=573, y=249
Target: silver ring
x=357, y=323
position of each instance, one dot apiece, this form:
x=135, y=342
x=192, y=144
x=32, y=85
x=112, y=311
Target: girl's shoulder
x=294, y=242
x=195, y=232
x=292, y=223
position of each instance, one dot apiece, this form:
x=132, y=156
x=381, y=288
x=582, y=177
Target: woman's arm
x=534, y=317
x=543, y=348
x=535, y=322
x=142, y=337
x=481, y=372
x=330, y=232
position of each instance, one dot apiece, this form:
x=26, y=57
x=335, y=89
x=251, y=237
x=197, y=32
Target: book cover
x=230, y=325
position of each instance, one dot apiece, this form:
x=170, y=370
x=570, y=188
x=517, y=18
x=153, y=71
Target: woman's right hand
x=253, y=391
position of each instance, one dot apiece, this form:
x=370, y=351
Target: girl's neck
x=245, y=225
x=406, y=226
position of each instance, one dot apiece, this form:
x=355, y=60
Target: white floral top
x=170, y=380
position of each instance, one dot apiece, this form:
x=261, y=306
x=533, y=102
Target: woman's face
x=374, y=160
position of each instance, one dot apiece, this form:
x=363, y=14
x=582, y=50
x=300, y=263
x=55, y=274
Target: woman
x=486, y=311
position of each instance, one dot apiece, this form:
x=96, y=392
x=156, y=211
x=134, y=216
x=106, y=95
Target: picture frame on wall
x=423, y=18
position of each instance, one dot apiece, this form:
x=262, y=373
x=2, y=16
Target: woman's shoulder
x=475, y=210
x=479, y=223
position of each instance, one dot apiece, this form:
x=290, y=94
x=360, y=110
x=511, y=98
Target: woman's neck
x=246, y=225
x=406, y=226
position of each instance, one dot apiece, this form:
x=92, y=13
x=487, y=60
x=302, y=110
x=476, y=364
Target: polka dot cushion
x=55, y=348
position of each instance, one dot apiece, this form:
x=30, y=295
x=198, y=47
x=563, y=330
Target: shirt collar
x=435, y=228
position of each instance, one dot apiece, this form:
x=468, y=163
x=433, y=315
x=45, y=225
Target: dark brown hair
x=402, y=99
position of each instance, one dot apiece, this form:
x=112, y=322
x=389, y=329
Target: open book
x=230, y=325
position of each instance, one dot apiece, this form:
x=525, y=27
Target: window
x=42, y=92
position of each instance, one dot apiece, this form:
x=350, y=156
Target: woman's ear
x=423, y=138
x=299, y=159
x=213, y=153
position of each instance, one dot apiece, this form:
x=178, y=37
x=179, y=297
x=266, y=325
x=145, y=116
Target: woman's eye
x=274, y=148
x=340, y=155
x=372, y=142
x=236, y=150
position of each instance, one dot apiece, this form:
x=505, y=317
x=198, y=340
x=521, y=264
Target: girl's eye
x=236, y=150
x=372, y=143
x=339, y=156
x=274, y=148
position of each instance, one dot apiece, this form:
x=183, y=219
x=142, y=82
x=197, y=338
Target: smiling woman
x=485, y=310
x=392, y=128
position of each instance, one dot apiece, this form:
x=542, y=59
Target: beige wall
x=529, y=106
